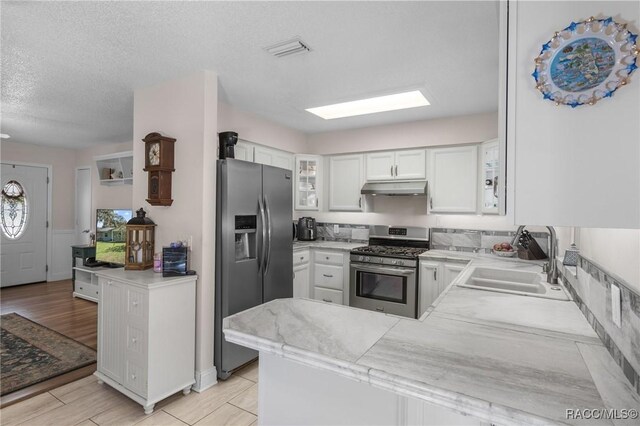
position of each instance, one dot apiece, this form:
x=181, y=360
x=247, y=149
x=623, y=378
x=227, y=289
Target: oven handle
x=393, y=270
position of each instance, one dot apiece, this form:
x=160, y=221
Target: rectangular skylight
x=369, y=106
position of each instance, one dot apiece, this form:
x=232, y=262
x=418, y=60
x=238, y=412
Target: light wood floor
x=52, y=304
x=87, y=403
x=84, y=402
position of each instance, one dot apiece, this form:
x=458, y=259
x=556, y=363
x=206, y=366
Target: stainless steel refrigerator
x=254, y=247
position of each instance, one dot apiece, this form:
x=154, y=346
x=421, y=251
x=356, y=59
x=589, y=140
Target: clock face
x=154, y=154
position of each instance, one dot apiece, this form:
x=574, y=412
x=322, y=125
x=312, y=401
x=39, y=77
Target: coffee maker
x=307, y=229
x=226, y=142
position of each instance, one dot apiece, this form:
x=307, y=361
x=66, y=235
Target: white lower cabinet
x=434, y=277
x=301, y=274
x=330, y=279
x=429, y=287
x=146, y=334
x=450, y=272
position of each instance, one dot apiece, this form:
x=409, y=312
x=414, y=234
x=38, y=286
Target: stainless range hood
x=395, y=188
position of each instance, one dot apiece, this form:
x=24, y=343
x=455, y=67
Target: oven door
x=388, y=289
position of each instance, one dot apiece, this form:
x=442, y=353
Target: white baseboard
x=60, y=266
x=205, y=379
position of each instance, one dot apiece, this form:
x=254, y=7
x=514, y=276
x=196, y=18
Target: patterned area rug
x=31, y=353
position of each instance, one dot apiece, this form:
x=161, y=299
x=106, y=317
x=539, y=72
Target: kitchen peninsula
x=475, y=357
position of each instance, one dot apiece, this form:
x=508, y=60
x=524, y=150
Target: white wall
x=616, y=250
x=254, y=128
x=185, y=109
x=574, y=166
x=441, y=131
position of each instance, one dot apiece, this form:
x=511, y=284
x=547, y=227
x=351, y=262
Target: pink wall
x=254, y=128
x=441, y=131
x=63, y=162
x=185, y=109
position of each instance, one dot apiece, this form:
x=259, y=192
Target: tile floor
x=87, y=403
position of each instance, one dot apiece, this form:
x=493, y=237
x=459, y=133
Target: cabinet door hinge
x=47, y=179
x=46, y=268
x=47, y=224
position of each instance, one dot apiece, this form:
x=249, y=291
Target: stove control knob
x=394, y=262
x=361, y=258
x=400, y=262
x=366, y=259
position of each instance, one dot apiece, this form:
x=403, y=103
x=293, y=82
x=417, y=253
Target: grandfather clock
x=158, y=163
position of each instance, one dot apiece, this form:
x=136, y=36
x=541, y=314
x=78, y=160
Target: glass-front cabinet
x=490, y=158
x=308, y=182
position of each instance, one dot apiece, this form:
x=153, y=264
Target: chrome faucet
x=551, y=267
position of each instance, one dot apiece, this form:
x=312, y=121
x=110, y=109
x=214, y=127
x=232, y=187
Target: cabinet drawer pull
x=81, y=288
x=301, y=257
x=134, y=303
x=133, y=340
x=396, y=170
x=133, y=377
x=327, y=275
x=327, y=300
x=391, y=172
x=434, y=275
x=380, y=309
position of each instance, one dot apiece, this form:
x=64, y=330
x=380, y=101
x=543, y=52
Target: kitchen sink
x=513, y=281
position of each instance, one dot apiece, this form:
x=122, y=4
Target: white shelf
x=115, y=169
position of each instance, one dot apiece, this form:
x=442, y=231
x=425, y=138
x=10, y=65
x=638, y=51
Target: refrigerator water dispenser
x=245, y=233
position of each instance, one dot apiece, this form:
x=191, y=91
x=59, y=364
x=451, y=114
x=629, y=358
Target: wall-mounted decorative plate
x=585, y=62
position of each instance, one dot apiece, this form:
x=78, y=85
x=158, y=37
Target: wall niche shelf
x=115, y=169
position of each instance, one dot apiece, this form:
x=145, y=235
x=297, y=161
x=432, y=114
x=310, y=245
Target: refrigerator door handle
x=267, y=256
x=263, y=226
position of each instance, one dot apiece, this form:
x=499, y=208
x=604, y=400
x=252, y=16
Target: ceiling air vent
x=286, y=48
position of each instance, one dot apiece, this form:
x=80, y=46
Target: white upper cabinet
x=453, y=177
x=410, y=164
x=380, y=165
x=396, y=165
x=308, y=182
x=489, y=172
x=243, y=151
x=273, y=157
x=346, y=177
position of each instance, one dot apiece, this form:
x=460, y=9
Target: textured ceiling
x=69, y=69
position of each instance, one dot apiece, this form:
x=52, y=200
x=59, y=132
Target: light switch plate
x=615, y=304
x=336, y=229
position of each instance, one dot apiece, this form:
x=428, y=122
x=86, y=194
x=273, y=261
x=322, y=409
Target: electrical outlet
x=615, y=304
x=336, y=229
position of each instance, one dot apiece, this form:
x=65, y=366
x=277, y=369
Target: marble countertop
x=332, y=245
x=146, y=279
x=504, y=358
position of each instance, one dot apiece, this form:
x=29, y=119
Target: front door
x=23, y=224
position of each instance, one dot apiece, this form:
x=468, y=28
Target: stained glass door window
x=14, y=210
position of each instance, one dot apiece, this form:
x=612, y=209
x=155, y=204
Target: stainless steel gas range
x=384, y=274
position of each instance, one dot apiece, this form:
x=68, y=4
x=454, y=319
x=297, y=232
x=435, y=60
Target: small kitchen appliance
x=227, y=141
x=384, y=274
x=307, y=229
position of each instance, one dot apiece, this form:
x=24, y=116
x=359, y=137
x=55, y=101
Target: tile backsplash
x=346, y=232
x=476, y=240
x=590, y=286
